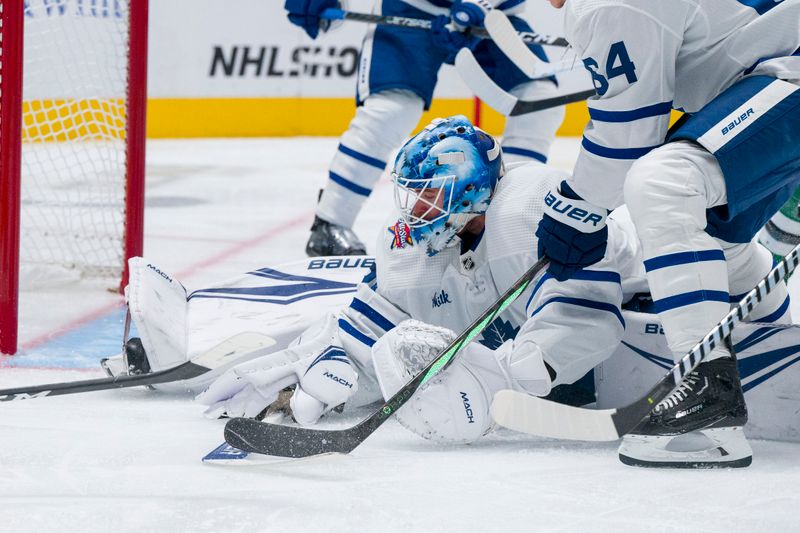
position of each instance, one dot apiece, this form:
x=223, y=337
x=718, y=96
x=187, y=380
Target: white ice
x=129, y=460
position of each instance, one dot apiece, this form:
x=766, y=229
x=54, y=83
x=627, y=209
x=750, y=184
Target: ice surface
x=129, y=460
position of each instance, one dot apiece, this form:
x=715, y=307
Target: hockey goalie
x=465, y=231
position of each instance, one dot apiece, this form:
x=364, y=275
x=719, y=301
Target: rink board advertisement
x=239, y=68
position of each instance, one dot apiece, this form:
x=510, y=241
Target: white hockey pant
x=381, y=124
x=529, y=137
x=691, y=274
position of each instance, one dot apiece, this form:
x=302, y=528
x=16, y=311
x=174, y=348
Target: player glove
x=448, y=38
x=306, y=14
x=469, y=13
x=572, y=232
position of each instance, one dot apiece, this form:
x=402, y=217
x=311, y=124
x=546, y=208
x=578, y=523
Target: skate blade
x=705, y=448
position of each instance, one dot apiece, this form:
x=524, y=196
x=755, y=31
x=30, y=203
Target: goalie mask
x=444, y=177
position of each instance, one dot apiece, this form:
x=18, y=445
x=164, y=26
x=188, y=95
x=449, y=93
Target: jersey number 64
x=618, y=63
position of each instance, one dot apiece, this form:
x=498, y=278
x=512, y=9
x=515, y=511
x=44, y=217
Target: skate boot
x=132, y=361
x=699, y=425
x=330, y=239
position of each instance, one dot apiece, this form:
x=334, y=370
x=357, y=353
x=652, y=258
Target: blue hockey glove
x=469, y=13
x=572, y=232
x=449, y=39
x=305, y=13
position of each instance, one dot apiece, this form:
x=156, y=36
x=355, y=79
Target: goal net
x=81, y=133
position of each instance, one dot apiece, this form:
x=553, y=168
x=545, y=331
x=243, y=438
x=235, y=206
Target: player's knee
x=641, y=189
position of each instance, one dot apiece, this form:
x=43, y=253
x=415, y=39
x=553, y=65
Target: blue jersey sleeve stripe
x=682, y=258
x=371, y=161
x=582, y=275
x=349, y=185
x=380, y=320
x=539, y=283
x=581, y=302
x=597, y=275
x=655, y=110
x=348, y=328
x=615, y=153
x=525, y=153
x=775, y=315
x=689, y=298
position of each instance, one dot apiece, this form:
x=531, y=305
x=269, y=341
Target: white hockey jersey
x=647, y=57
x=455, y=286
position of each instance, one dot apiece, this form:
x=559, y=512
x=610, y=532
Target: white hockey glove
x=315, y=363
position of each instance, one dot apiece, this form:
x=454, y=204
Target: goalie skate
x=331, y=239
x=699, y=425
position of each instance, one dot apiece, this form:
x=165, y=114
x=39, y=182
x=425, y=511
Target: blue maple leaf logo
x=497, y=333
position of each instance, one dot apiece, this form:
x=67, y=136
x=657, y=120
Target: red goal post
x=72, y=141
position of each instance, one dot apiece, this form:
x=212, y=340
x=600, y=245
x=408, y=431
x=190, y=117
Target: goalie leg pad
x=158, y=306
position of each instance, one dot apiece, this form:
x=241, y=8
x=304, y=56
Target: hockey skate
x=699, y=425
x=330, y=239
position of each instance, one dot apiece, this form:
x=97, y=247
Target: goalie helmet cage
x=72, y=142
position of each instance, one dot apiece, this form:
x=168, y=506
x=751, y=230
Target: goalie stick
x=213, y=358
x=501, y=101
x=250, y=435
x=528, y=37
x=530, y=414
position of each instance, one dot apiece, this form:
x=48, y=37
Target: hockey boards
x=537, y=416
x=213, y=358
x=293, y=441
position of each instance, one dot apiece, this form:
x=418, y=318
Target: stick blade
x=507, y=39
x=481, y=84
x=537, y=416
x=253, y=436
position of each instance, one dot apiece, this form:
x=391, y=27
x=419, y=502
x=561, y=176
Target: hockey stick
x=213, y=358
x=251, y=435
x=498, y=99
x=530, y=414
x=505, y=36
x=528, y=37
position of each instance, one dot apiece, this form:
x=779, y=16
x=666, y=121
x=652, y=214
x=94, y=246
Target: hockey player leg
x=782, y=232
x=748, y=263
x=667, y=193
x=529, y=137
x=381, y=124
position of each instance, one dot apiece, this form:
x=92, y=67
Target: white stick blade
x=536, y=416
x=479, y=82
x=510, y=43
